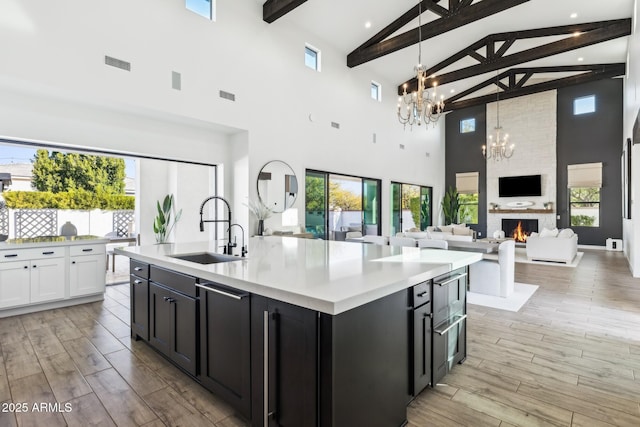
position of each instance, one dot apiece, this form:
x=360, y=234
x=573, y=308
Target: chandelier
x=419, y=106
x=498, y=147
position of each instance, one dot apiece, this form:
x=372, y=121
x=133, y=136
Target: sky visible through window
x=201, y=7
x=16, y=154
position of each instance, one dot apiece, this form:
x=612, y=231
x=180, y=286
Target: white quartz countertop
x=327, y=276
x=48, y=241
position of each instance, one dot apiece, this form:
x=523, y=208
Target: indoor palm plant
x=450, y=206
x=163, y=222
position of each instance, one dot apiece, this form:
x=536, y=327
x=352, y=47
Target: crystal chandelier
x=498, y=147
x=419, y=107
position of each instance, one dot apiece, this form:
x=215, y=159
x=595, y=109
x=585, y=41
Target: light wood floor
x=570, y=357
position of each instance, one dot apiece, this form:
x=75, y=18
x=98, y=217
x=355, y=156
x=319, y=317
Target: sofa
x=552, y=245
x=457, y=232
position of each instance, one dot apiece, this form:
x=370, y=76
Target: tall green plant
x=450, y=206
x=162, y=225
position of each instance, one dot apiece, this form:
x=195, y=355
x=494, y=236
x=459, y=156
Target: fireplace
x=519, y=229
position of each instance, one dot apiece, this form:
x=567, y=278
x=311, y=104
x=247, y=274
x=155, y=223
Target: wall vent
x=176, y=80
x=402, y=146
x=228, y=95
x=335, y=125
x=118, y=63
x=375, y=138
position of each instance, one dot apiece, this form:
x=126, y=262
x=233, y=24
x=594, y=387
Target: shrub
x=74, y=199
x=582, y=220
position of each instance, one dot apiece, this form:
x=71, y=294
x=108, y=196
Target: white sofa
x=455, y=232
x=553, y=245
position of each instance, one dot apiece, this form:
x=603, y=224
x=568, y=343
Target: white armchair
x=495, y=278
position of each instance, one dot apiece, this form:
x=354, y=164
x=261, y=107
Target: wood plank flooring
x=570, y=357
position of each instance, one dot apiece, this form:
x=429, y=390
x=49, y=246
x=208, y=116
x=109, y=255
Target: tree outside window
x=468, y=210
x=584, y=207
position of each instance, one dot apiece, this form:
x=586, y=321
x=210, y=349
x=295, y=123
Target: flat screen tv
x=520, y=186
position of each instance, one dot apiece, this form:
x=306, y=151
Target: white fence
x=94, y=222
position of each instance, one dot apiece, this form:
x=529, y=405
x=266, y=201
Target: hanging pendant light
x=419, y=106
x=498, y=147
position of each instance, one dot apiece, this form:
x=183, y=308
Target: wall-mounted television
x=520, y=186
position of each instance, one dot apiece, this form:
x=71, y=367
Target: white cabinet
x=47, y=279
x=86, y=270
x=48, y=274
x=14, y=283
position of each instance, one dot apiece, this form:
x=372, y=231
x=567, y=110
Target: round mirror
x=277, y=186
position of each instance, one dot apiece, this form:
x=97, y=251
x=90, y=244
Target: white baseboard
x=594, y=247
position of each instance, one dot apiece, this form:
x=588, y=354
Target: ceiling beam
x=515, y=87
x=464, y=13
x=589, y=34
x=274, y=9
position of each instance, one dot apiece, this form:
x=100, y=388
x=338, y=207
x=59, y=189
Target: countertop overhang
x=327, y=276
x=43, y=241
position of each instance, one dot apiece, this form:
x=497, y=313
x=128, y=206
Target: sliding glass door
x=341, y=206
x=411, y=207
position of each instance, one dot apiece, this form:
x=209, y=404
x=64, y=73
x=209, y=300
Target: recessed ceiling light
x=452, y=90
x=576, y=34
x=580, y=59
x=367, y=24
x=573, y=15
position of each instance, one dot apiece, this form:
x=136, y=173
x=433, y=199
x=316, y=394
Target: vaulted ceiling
x=534, y=45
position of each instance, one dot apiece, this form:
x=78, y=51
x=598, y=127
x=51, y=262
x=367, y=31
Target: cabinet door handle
x=137, y=268
x=137, y=282
x=48, y=253
x=221, y=292
x=26, y=266
x=87, y=250
x=11, y=256
x=453, y=279
x=265, y=367
x=73, y=262
x=421, y=294
x=35, y=266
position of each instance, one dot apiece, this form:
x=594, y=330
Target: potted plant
x=261, y=212
x=163, y=223
x=450, y=205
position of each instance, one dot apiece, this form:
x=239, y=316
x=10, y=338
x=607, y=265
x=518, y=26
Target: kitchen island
x=304, y=332
x=48, y=272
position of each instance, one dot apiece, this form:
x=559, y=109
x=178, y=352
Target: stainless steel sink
x=206, y=258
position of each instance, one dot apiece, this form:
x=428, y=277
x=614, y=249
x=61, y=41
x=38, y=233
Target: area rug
x=521, y=257
x=521, y=294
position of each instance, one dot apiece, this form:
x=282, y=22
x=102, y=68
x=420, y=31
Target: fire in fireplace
x=519, y=229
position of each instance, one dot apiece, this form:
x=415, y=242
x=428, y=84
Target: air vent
x=118, y=63
x=375, y=138
x=176, y=80
x=335, y=125
x=402, y=146
x=227, y=95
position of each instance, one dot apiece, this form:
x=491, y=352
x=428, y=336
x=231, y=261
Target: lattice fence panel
x=121, y=221
x=4, y=221
x=36, y=222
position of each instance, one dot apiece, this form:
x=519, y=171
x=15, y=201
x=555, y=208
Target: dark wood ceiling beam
x=525, y=78
x=464, y=15
x=274, y=9
x=440, y=11
x=597, y=72
x=609, y=30
x=505, y=46
x=397, y=24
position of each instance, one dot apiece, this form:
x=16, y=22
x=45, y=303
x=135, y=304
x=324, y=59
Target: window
x=584, y=105
x=467, y=186
x=584, y=182
x=376, y=91
x=312, y=57
x=584, y=207
x=467, y=125
x=204, y=8
x=411, y=207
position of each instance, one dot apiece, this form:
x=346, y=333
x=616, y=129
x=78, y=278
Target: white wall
x=54, y=86
x=631, y=228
